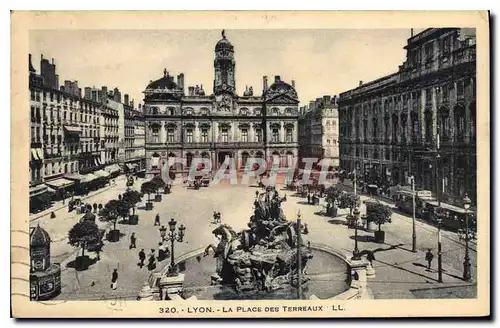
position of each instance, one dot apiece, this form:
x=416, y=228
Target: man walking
x=428, y=257
x=215, y=217
x=157, y=220
x=114, y=279
x=218, y=218
x=142, y=258
x=132, y=241
x=152, y=261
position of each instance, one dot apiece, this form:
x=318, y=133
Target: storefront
x=61, y=187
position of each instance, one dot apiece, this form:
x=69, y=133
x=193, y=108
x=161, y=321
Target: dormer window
x=244, y=112
x=189, y=111
x=204, y=111
x=171, y=111
x=155, y=110
x=275, y=111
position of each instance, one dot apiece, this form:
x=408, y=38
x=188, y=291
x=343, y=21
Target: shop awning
x=72, y=129
x=101, y=173
x=59, y=183
x=129, y=166
x=34, y=154
x=73, y=176
x=38, y=190
x=88, y=178
x=112, y=168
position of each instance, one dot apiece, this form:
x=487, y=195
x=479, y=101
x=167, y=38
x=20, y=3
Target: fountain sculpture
x=263, y=257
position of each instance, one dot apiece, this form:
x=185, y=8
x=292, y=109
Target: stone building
x=319, y=131
x=392, y=127
x=221, y=125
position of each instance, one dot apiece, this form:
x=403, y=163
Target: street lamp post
x=355, y=253
x=467, y=274
x=173, y=236
x=414, y=232
x=440, y=263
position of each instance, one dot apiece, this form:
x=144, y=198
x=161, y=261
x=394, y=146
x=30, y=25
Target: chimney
x=326, y=100
x=104, y=93
x=53, y=61
x=87, y=93
x=132, y=103
x=125, y=99
x=79, y=92
x=191, y=91
x=57, y=81
x=41, y=57
x=360, y=83
x=180, y=81
x=311, y=105
x=293, y=84
x=140, y=106
x=335, y=100
x=264, y=82
x=277, y=78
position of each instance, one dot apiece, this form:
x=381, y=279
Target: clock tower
x=224, y=67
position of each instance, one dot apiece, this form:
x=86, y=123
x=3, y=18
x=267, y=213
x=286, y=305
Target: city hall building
x=222, y=124
x=395, y=126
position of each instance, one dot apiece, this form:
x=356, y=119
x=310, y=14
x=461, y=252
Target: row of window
x=223, y=135
x=206, y=112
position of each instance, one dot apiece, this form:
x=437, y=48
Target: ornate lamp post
x=355, y=253
x=439, y=214
x=467, y=275
x=174, y=236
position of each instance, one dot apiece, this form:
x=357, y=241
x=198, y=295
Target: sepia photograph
x=250, y=170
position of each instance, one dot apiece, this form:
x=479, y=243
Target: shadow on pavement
x=406, y=270
x=365, y=239
x=337, y=221
x=81, y=263
x=435, y=271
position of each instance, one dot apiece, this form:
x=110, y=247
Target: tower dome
x=224, y=43
x=39, y=237
x=166, y=82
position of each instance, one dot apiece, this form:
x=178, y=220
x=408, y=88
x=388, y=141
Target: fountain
x=263, y=257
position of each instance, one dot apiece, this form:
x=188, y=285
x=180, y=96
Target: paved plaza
x=399, y=272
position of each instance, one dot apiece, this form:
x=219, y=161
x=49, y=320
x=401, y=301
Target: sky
x=322, y=62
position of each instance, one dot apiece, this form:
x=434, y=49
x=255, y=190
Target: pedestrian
x=306, y=229
x=218, y=218
x=152, y=261
x=157, y=220
x=132, y=241
x=428, y=257
x=142, y=258
x=256, y=193
x=114, y=279
x=308, y=198
x=370, y=257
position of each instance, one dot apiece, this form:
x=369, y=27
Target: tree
x=148, y=188
x=349, y=200
x=82, y=234
x=116, y=209
x=332, y=195
x=378, y=212
x=158, y=181
x=132, y=197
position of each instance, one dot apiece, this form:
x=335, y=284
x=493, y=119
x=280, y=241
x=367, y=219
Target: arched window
x=244, y=112
x=155, y=110
x=275, y=111
x=204, y=111
x=155, y=133
x=244, y=159
x=171, y=111
x=375, y=128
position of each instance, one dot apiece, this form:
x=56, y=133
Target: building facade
x=73, y=136
x=319, y=131
x=221, y=125
x=397, y=126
